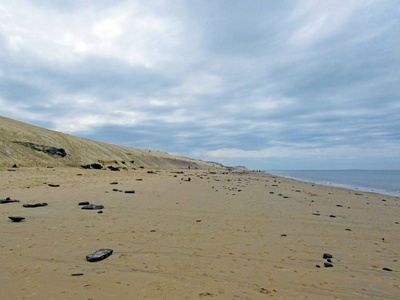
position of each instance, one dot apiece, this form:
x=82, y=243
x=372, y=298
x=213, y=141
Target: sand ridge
x=229, y=235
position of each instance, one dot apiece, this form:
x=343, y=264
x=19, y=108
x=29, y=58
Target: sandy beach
x=222, y=235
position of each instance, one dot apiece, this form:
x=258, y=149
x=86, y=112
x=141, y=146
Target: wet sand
x=238, y=235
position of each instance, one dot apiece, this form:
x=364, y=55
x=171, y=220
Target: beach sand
x=238, y=235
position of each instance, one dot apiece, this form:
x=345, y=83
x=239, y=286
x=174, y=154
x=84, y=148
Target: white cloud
x=312, y=151
x=319, y=19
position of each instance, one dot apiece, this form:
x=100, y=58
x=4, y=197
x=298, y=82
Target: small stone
x=328, y=265
x=7, y=200
x=153, y=230
x=16, y=219
x=99, y=255
x=77, y=274
x=35, y=205
x=387, y=269
x=100, y=212
x=84, y=203
x=53, y=185
x=115, y=190
x=198, y=221
x=130, y=192
x=93, y=207
x=318, y=266
x=348, y=229
x=314, y=214
x=332, y=216
x=114, y=182
x=283, y=234
x=329, y=260
x=327, y=255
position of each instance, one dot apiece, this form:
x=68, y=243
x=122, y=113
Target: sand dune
x=27, y=145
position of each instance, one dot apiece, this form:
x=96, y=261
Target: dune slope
x=32, y=146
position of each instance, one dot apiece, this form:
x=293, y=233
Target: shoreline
x=379, y=191
x=223, y=235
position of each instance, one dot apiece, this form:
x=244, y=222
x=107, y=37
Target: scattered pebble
x=77, y=274
x=327, y=255
x=16, y=219
x=328, y=265
x=7, y=200
x=84, y=203
x=130, y=192
x=53, y=185
x=387, y=269
x=35, y=205
x=93, y=207
x=99, y=255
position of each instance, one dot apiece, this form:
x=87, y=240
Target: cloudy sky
x=308, y=84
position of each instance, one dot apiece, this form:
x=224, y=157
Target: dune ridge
x=32, y=146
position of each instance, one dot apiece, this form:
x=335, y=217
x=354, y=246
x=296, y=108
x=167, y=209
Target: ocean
x=386, y=182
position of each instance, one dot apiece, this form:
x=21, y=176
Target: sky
x=272, y=85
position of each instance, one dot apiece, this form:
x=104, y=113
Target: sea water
x=385, y=182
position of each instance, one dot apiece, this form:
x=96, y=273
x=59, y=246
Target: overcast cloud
x=269, y=84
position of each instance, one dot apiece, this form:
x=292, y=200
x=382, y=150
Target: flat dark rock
x=35, y=205
x=348, y=229
x=7, y=200
x=93, y=207
x=77, y=274
x=114, y=182
x=387, y=269
x=327, y=255
x=332, y=216
x=130, y=192
x=99, y=255
x=328, y=265
x=16, y=219
x=54, y=185
x=84, y=203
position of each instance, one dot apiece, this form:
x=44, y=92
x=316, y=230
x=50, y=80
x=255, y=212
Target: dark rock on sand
x=328, y=265
x=84, y=203
x=35, y=205
x=318, y=266
x=16, y=219
x=54, y=185
x=93, y=207
x=387, y=269
x=99, y=255
x=111, y=168
x=327, y=255
x=332, y=216
x=114, y=182
x=7, y=200
x=96, y=166
x=77, y=274
x=115, y=190
x=100, y=212
x=14, y=166
x=52, y=151
x=348, y=229
x=130, y=192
